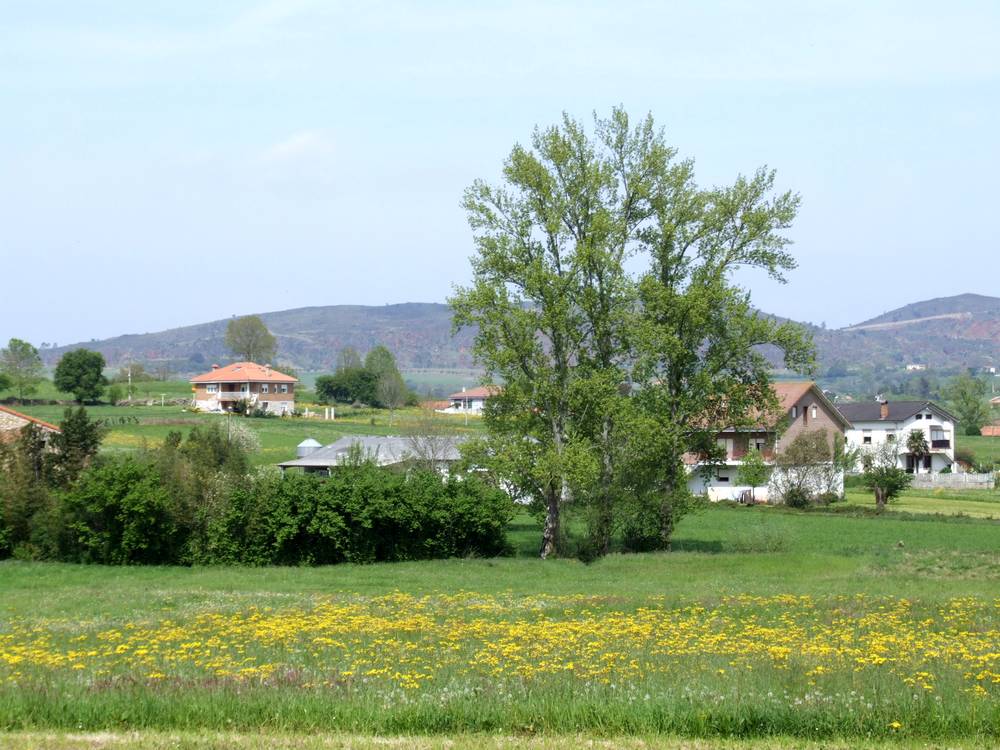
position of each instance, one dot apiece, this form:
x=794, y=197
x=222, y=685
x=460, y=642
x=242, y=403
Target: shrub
x=120, y=513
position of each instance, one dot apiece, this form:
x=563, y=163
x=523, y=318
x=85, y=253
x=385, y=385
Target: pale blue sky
x=166, y=163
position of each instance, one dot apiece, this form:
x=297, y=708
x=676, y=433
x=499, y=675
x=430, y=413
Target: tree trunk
x=605, y=511
x=550, y=533
x=879, y=500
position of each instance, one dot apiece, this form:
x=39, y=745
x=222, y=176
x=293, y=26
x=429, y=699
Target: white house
x=875, y=423
x=802, y=407
x=469, y=401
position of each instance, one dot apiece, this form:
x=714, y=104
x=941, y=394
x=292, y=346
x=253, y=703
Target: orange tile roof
x=990, y=430
x=244, y=372
x=483, y=391
x=39, y=422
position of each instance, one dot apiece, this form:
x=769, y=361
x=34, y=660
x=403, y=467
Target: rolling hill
x=947, y=333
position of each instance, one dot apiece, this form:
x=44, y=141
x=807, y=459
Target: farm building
x=313, y=458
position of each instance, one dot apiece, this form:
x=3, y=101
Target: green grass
x=753, y=577
x=130, y=428
x=973, y=503
x=986, y=449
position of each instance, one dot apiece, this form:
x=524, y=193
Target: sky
x=169, y=163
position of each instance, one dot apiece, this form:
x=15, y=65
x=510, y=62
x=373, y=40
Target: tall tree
x=348, y=359
x=883, y=476
x=76, y=443
x=249, y=339
x=609, y=378
x=391, y=393
x=81, y=372
x=380, y=361
x=22, y=366
x=969, y=398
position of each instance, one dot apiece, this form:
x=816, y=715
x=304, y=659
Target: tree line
x=375, y=381
x=196, y=500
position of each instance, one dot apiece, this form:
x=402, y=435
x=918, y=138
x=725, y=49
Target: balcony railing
x=233, y=395
x=940, y=444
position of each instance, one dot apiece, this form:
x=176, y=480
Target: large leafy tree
x=381, y=362
x=81, y=372
x=610, y=377
x=883, y=476
x=22, y=366
x=348, y=359
x=249, y=339
x=969, y=398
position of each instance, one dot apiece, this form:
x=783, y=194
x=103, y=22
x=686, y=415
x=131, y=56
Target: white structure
x=914, y=367
x=439, y=450
x=469, y=401
x=802, y=407
x=876, y=423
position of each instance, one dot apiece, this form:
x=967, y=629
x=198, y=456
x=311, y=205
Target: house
x=314, y=458
x=878, y=422
x=915, y=367
x=991, y=430
x=802, y=406
x=12, y=422
x=257, y=385
x=469, y=401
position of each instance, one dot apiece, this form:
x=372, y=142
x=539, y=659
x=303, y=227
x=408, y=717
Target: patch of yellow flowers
x=413, y=642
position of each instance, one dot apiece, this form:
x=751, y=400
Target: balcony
x=232, y=395
x=940, y=444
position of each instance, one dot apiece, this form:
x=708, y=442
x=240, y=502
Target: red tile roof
x=40, y=422
x=483, y=391
x=990, y=430
x=244, y=372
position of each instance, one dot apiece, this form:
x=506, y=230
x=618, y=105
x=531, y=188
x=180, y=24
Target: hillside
x=308, y=338
x=948, y=333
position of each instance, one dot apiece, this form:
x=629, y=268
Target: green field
x=986, y=449
x=131, y=428
x=761, y=623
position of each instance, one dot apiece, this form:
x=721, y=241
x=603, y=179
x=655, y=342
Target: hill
x=945, y=333
x=308, y=338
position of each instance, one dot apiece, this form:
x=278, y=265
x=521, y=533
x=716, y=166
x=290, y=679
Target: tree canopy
x=249, y=339
x=21, y=365
x=969, y=398
x=611, y=375
x=81, y=372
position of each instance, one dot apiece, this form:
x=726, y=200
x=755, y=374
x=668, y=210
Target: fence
x=954, y=481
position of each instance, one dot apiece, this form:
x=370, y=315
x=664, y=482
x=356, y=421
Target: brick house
x=802, y=407
x=12, y=422
x=258, y=385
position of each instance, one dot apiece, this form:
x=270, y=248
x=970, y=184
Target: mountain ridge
x=958, y=331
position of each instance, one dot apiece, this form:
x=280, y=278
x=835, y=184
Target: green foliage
x=754, y=471
x=347, y=386
x=969, y=399
x=20, y=367
x=380, y=361
x=75, y=445
x=119, y=514
x=882, y=476
x=80, y=372
x=916, y=446
x=249, y=339
x=361, y=513
x=612, y=378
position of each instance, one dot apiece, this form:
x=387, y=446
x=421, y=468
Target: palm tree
x=916, y=446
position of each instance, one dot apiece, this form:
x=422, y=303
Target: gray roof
x=384, y=450
x=871, y=411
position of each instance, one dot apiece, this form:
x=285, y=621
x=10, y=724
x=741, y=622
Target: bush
x=121, y=513
x=797, y=497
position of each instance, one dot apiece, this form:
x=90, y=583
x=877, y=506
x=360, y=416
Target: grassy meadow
x=761, y=623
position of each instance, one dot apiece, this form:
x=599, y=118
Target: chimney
x=883, y=410
x=215, y=367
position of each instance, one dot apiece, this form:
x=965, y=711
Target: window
x=245, y=388
x=284, y=389
x=212, y=388
x=890, y=436
x=722, y=478
x=263, y=388
x=919, y=416
x=927, y=416
x=814, y=411
x=795, y=412
x=866, y=437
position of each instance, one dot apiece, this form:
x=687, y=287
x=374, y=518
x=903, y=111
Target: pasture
x=774, y=627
